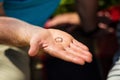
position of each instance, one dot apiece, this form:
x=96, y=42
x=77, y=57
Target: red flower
x=115, y=13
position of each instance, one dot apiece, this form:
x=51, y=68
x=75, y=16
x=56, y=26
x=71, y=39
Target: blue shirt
x=32, y=11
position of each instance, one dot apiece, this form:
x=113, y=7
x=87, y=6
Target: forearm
x=15, y=32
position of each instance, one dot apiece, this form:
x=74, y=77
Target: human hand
x=40, y=39
x=68, y=49
x=66, y=18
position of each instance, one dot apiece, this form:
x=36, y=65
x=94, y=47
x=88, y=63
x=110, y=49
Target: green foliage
x=106, y=3
x=68, y=5
x=65, y=6
x=66, y=2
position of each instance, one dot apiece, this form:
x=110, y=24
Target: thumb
x=34, y=48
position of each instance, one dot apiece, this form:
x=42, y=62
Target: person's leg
x=87, y=11
x=14, y=64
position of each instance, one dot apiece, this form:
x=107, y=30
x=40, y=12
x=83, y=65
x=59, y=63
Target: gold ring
x=59, y=39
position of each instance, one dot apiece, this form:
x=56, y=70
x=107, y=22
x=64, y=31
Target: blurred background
x=103, y=47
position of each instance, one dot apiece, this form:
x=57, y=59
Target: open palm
x=68, y=49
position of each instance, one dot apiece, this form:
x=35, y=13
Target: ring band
x=59, y=39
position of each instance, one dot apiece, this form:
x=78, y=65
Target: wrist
x=26, y=33
x=34, y=33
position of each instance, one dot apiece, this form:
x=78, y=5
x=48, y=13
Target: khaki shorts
x=14, y=63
